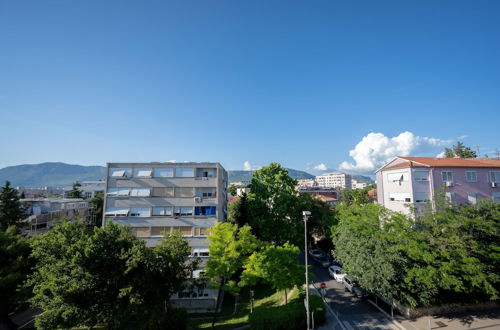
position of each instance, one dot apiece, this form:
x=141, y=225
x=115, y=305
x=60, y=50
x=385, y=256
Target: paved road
x=353, y=312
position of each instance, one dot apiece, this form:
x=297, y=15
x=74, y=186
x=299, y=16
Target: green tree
x=85, y=276
x=75, y=191
x=11, y=210
x=239, y=212
x=98, y=202
x=276, y=265
x=356, y=196
x=232, y=189
x=459, y=150
x=15, y=266
x=229, y=247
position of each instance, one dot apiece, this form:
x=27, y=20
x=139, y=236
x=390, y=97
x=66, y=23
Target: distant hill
x=237, y=176
x=50, y=174
x=63, y=175
x=362, y=178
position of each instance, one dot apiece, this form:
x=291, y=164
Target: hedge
x=291, y=316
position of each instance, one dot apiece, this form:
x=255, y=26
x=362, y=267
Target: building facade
x=89, y=189
x=358, y=185
x=158, y=198
x=407, y=182
x=334, y=180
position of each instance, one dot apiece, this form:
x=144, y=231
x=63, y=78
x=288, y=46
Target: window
x=140, y=231
x=421, y=197
x=201, y=231
x=140, y=212
x=206, y=192
x=421, y=175
x=163, y=172
x=400, y=197
x=471, y=176
x=140, y=192
x=114, y=192
x=205, y=211
x=142, y=172
x=180, y=211
x=206, y=172
x=447, y=176
x=181, y=172
x=496, y=197
x=184, y=192
x=472, y=198
x=184, y=230
x=88, y=195
x=495, y=176
x=200, y=252
x=160, y=231
x=116, y=212
x=163, y=192
x=120, y=172
x=450, y=196
x=162, y=211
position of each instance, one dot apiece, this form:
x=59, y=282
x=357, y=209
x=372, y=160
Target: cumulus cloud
x=247, y=166
x=461, y=137
x=441, y=154
x=376, y=149
x=320, y=167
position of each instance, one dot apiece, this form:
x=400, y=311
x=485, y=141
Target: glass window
x=163, y=192
x=206, y=173
x=183, y=211
x=160, y=231
x=205, y=211
x=162, y=211
x=495, y=176
x=184, y=192
x=471, y=176
x=120, y=172
x=421, y=197
x=140, y=192
x=182, y=172
x=421, y=175
x=163, y=172
x=117, y=212
x=140, y=231
x=142, y=172
x=201, y=231
x=140, y=212
x=447, y=176
x=113, y=192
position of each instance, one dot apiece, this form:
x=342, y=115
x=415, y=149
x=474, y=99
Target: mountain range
x=63, y=175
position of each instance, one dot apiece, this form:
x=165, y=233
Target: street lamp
x=306, y=215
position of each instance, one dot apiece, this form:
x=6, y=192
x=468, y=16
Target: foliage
x=322, y=217
x=459, y=150
x=15, y=266
x=75, y=192
x=98, y=201
x=176, y=319
x=229, y=247
x=276, y=265
x=11, y=210
x=232, y=189
x=291, y=316
x=356, y=196
x=439, y=257
x=239, y=212
x=83, y=277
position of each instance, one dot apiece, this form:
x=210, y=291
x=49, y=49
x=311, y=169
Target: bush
x=291, y=316
x=176, y=318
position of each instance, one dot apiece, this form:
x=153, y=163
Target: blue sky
x=305, y=83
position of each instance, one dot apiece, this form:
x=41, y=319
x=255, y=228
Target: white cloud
x=171, y=161
x=375, y=149
x=320, y=167
x=441, y=154
x=461, y=137
x=247, y=166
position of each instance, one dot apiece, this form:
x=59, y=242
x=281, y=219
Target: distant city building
x=39, y=192
x=307, y=183
x=412, y=181
x=89, y=188
x=334, y=180
x=358, y=185
x=157, y=198
x=328, y=195
x=43, y=213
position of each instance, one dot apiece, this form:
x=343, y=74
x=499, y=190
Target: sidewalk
x=485, y=321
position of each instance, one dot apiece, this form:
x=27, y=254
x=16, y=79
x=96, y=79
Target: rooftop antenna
x=497, y=153
x=478, y=151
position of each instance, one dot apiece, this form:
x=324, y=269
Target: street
x=354, y=313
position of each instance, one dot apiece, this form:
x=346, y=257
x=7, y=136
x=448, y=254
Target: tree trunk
x=218, y=302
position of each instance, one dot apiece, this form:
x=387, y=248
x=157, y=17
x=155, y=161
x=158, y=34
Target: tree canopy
x=75, y=191
x=11, y=210
x=83, y=277
x=459, y=150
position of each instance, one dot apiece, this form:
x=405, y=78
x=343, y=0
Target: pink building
x=411, y=181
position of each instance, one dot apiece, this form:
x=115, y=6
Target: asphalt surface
x=354, y=313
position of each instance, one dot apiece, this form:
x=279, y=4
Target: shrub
x=176, y=318
x=291, y=316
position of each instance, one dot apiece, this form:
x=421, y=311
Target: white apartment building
x=334, y=180
x=358, y=185
x=158, y=198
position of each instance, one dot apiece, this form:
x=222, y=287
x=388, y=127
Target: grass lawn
x=264, y=296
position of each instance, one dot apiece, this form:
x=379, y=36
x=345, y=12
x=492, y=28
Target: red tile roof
x=445, y=162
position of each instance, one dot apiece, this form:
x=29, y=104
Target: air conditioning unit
x=494, y=184
x=197, y=199
x=449, y=183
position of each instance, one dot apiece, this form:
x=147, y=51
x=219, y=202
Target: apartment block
x=334, y=180
x=158, y=198
x=407, y=182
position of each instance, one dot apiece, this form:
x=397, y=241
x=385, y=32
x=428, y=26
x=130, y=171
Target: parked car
x=354, y=288
x=336, y=273
x=348, y=283
x=315, y=253
x=323, y=261
x=359, y=292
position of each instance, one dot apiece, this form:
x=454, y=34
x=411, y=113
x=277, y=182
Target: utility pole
x=306, y=214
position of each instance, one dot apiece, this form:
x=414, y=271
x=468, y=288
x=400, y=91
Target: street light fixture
x=306, y=215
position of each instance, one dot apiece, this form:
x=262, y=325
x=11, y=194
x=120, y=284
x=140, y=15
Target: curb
x=396, y=323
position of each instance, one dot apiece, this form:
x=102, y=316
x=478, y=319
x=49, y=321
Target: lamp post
x=306, y=214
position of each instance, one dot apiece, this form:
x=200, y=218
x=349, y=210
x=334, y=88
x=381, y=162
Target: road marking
x=347, y=325
x=25, y=324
